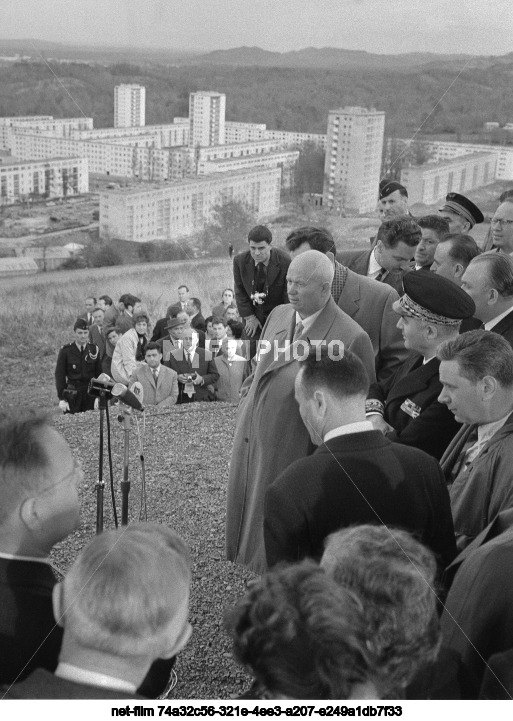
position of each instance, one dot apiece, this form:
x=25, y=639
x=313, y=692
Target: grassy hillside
x=287, y=98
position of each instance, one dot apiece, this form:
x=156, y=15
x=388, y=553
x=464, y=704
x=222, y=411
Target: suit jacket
x=45, y=685
x=270, y=434
x=505, y=328
x=243, y=276
x=203, y=364
x=160, y=330
x=162, y=393
x=88, y=317
x=29, y=636
x=354, y=479
x=231, y=376
x=413, y=391
x=358, y=261
x=485, y=487
x=370, y=305
x=478, y=618
x=124, y=322
x=96, y=336
x=198, y=323
x=110, y=318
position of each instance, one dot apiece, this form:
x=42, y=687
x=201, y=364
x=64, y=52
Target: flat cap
x=174, y=323
x=433, y=298
x=456, y=203
x=80, y=324
x=260, y=234
x=386, y=187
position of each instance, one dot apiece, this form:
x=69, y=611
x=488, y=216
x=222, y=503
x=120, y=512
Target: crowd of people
x=370, y=487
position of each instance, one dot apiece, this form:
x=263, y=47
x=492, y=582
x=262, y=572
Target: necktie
x=155, y=375
x=260, y=278
x=380, y=274
x=298, y=330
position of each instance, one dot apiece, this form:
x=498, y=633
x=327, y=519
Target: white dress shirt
x=358, y=427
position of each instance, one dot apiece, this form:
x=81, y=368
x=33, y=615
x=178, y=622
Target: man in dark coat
x=489, y=282
x=389, y=259
x=355, y=476
x=260, y=279
x=77, y=363
x=40, y=507
x=123, y=604
x=406, y=407
x=196, y=370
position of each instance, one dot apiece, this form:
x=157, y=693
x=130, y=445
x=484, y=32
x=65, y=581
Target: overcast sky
x=382, y=26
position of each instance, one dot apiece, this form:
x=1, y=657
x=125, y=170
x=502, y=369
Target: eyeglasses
x=77, y=469
x=501, y=221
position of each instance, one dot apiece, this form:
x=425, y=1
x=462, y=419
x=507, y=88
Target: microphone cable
x=111, y=473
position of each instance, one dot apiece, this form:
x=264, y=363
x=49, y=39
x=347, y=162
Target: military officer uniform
x=75, y=368
x=408, y=401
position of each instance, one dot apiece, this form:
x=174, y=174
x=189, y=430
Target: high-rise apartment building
x=206, y=118
x=129, y=106
x=353, y=159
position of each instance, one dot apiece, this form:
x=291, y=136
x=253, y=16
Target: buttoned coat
x=270, y=434
x=243, y=277
x=162, y=392
x=415, y=389
x=370, y=305
x=358, y=261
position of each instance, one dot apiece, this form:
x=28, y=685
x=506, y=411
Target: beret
x=386, y=187
x=433, y=298
x=260, y=234
x=506, y=195
x=456, y=203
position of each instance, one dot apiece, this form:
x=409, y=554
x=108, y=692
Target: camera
x=189, y=378
x=100, y=387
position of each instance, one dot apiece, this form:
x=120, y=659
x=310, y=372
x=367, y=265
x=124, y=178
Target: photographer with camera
x=196, y=370
x=77, y=363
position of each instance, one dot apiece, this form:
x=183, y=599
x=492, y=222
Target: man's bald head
x=314, y=263
x=309, y=280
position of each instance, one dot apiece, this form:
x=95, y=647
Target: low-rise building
x=431, y=182
x=144, y=213
x=48, y=178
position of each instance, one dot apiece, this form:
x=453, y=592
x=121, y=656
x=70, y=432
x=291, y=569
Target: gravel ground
x=186, y=452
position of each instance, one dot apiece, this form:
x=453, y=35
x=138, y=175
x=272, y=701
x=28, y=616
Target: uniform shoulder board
x=66, y=345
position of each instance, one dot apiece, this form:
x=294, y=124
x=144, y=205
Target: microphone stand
x=100, y=485
x=126, y=419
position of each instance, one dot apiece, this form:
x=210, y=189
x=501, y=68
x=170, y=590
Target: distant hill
x=339, y=58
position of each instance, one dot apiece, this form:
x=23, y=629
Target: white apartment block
x=49, y=178
x=179, y=209
x=62, y=127
x=129, y=106
x=284, y=159
x=430, y=183
x=293, y=139
x=353, y=159
x=244, y=132
x=248, y=132
x=446, y=150
x=207, y=118
x=167, y=135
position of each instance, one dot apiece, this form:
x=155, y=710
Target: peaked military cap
x=456, y=203
x=433, y=298
x=80, y=324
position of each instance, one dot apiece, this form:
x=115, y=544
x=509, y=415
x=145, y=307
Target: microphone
x=130, y=399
